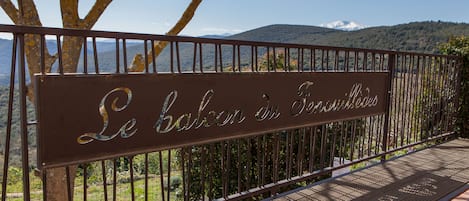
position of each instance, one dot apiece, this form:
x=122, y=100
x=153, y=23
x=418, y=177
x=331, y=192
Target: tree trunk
x=56, y=177
x=71, y=50
x=57, y=182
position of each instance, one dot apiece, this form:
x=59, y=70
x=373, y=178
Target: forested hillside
x=415, y=36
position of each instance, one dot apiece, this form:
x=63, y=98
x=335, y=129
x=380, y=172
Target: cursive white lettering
x=357, y=98
x=167, y=123
x=125, y=131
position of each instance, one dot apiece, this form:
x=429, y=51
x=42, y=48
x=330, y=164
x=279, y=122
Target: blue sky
x=232, y=16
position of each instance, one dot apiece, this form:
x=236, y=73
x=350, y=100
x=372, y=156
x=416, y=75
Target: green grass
x=96, y=191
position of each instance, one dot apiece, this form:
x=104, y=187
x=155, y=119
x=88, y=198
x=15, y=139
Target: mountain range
x=417, y=36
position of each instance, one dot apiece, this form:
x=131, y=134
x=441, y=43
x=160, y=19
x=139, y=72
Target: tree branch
x=30, y=16
x=69, y=10
x=138, y=64
x=185, y=18
x=10, y=10
x=94, y=14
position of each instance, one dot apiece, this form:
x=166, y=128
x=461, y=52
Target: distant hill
x=6, y=54
x=415, y=36
x=217, y=36
x=282, y=33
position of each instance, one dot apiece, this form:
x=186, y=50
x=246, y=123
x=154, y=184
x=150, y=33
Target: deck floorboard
x=430, y=174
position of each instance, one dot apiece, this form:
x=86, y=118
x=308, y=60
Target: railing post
x=391, y=65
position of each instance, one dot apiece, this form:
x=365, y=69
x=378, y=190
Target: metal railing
x=423, y=102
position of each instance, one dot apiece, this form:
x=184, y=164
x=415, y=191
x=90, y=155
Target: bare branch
x=138, y=64
x=94, y=14
x=10, y=10
x=185, y=18
x=30, y=14
x=69, y=10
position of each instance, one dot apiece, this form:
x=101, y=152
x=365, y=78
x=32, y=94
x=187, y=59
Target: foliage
x=15, y=140
x=265, y=159
x=278, y=61
x=434, y=100
x=460, y=46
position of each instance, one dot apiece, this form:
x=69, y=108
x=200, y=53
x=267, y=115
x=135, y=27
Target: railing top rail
x=140, y=36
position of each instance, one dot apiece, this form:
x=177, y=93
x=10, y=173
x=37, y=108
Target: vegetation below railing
x=94, y=180
x=460, y=46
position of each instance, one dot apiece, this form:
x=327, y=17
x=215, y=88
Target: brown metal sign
x=91, y=117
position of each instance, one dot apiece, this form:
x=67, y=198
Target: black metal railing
x=423, y=103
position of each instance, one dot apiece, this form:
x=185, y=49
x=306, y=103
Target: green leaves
x=459, y=46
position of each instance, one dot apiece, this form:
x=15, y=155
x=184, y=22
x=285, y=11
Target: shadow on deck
x=436, y=173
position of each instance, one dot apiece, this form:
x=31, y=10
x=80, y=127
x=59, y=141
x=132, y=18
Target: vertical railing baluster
x=391, y=66
x=132, y=185
x=124, y=55
x=194, y=57
x=23, y=118
x=249, y=162
x=216, y=58
x=114, y=179
x=59, y=55
x=203, y=165
x=220, y=51
x=44, y=185
x=118, y=56
x=201, y=61
x=333, y=144
x=301, y=149
x=286, y=66
x=103, y=171
x=69, y=183
x=323, y=152
x=85, y=182
x=211, y=172
x=169, y=174
x=414, y=97
x=43, y=54
x=274, y=59
x=252, y=58
x=153, y=59
x=238, y=164
x=85, y=55
x=276, y=156
x=256, y=58
x=223, y=170
x=11, y=92
x=268, y=59
x=95, y=56
x=312, y=59
x=178, y=57
x=145, y=190
x=184, y=177
x=160, y=157
x=171, y=56
x=239, y=57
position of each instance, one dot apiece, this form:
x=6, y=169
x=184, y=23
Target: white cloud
x=344, y=25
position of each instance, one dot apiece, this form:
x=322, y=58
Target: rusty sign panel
x=90, y=117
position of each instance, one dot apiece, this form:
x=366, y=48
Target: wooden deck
x=437, y=173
